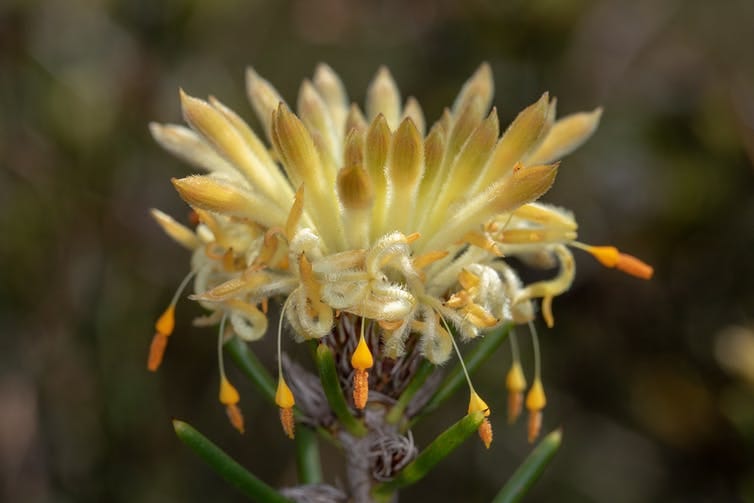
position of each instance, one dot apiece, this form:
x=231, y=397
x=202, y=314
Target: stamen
x=535, y=399
x=611, y=257
x=164, y=327
x=283, y=395
x=515, y=382
x=284, y=399
x=228, y=393
x=476, y=404
x=361, y=360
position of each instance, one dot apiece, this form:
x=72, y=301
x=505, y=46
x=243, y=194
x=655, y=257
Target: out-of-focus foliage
x=652, y=382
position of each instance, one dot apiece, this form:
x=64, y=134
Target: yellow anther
x=228, y=393
x=476, y=404
x=283, y=396
x=166, y=322
x=515, y=382
x=535, y=399
x=606, y=255
x=535, y=402
x=362, y=357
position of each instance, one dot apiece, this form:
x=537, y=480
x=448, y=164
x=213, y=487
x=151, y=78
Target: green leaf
x=456, y=379
x=444, y=444
x=307, y=456
x=226, y=466
x=250, y=365
x=530, y=470
x=328, y=375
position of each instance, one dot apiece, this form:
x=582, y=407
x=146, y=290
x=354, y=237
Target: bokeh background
x=653, y=383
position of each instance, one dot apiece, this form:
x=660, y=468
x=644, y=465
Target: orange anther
x=288, y=422
x=235, y=417
x=534, y=425
x=485, y=432
x=360, y=388
x=633, y=266
x=157, y=351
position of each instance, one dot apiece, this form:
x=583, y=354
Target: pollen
x=485, y=433
x=515, y=382
x=360, y=388
x=235, y=417
x=157, y=351
x=288, y=423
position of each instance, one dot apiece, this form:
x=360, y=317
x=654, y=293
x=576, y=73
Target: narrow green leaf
x=423, y=372
x=226, y=466
x=444, y=444
x=307, y=456
x=328, y=375
x=474, y=360
x=250, y=365
x=530, y=470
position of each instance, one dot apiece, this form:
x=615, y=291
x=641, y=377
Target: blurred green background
x=653, y=382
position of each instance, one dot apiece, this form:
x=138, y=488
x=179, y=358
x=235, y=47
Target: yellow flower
x=343, y=212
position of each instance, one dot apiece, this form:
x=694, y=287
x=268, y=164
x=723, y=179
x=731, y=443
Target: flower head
x=367, y=215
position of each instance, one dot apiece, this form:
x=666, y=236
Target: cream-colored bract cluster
x=366, y=213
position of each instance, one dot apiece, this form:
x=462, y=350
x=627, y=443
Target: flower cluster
x=366, y=214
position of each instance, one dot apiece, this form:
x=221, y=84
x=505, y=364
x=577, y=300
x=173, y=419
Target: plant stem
x=307, y=456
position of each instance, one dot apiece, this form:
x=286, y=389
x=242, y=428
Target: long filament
x=458, y=352
x=220, y=335
x=535, y=345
